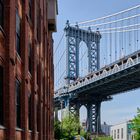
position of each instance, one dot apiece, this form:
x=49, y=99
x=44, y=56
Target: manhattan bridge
x=109, y=63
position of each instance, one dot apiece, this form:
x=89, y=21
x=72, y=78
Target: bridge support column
x=90, y=119
x=98, y=117
x=66, y=103
x=74, y=109
x=93, y=117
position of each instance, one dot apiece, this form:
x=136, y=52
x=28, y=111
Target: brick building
x=26, y=69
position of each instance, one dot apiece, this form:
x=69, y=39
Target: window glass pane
x=122, y=133
x=1, y=95
x=17, y=32
x=30, y=9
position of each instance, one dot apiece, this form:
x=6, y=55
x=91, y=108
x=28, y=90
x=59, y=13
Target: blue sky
x=123, y=106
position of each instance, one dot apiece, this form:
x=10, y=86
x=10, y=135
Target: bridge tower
x=74, y=35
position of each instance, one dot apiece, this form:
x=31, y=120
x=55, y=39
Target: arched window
x=83, y=117
x=1, y=95
x=83, y=59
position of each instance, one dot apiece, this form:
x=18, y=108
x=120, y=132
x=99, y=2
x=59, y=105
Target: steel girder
x=94, y=117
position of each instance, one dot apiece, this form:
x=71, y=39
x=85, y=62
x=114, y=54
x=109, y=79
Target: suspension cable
x=123, y=27
x=61, y=76
x=129, y=30
x=89, y=21
x=59, y=43
x=114, y=21
x=60, y=59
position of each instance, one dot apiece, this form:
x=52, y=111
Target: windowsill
x=19, y=129
x=30, y=131
x=2, y=127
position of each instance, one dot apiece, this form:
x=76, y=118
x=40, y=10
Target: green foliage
x=103, y=138
x=68, y=128
x=84, y=133
x=57, y=129
x=136, y=125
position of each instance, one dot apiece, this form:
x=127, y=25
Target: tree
x=136, y=125
x=70, y=125
x=68, y=128
x=57, y=129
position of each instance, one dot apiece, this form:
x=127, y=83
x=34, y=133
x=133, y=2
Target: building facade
x=26, y=69
x=105, y=128
x=122, y=131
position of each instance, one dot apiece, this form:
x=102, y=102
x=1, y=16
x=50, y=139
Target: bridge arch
x=116, y=68
x=83, y=59
x=130, y=62
x=83, y=117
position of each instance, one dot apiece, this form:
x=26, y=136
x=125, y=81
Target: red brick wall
x=17, y=67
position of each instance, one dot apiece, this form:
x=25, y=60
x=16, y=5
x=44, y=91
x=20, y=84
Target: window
x=118, y=131
x=18, y=104
x=1, y=13
x=114, y=134
x=122, y=133
x=18, y=24
x=29, y=112
x=30, y=57
x=1, y=95
x=30, y=9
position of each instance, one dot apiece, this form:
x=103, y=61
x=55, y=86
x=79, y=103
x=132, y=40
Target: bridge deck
x=118, y=77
